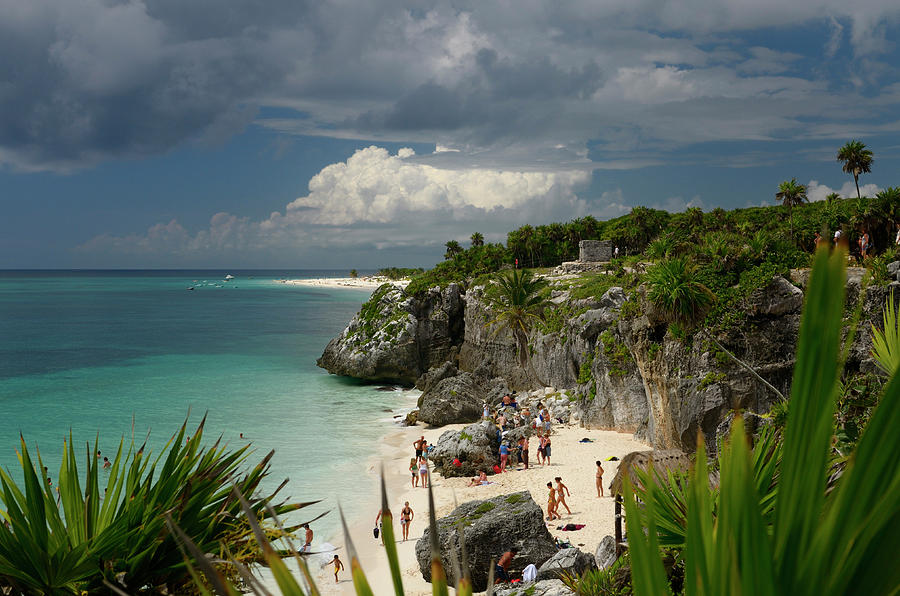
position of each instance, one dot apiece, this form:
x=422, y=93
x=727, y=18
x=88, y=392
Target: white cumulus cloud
x=818, y=192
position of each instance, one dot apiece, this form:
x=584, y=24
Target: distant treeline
x=783, y=235
x=395, y=273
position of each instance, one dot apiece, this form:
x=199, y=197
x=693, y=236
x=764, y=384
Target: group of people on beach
x=406, y=517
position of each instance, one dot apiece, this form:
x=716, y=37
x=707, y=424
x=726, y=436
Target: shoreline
x=574, y=462
x=359, y=283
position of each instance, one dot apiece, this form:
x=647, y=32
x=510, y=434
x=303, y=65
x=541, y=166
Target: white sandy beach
x=572, y=460
x=368, y=282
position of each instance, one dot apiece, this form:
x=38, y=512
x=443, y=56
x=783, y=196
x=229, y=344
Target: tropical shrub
x=673, y=289
x=86, y=537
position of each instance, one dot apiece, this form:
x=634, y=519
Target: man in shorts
x=502, y=569
x=418, y=444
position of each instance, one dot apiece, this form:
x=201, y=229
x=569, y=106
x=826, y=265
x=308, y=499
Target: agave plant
x=816, y=541
x=886, y=341
x=289, y=585
x=674, y=289
x=86, y=538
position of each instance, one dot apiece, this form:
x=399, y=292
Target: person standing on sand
x=523, y=451
x=504, y=456
x=540, y=449
x=502, y=569
x=338, y=566
x=599, y=479
x=545, y=442
x=406, y=517
x=414, y=470
x=423, y=471
x=378, y=527
x=551, y=503
x=418, y=443
x=309, y=538
x=560, y=495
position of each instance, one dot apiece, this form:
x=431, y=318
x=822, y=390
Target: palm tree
x=857, y=160
x=477, y=239
x=453, y=249
x=791, y=193
x=517, y=302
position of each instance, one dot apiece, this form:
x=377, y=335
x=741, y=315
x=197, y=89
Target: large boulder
x=436, y=374
x=489, y=528
x=605, y=555
x=457, y=399
x=568, y=561
x=547, y=587
x=476, y=447
x=778, y=297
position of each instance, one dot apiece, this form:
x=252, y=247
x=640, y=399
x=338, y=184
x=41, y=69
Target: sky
x=347, y=134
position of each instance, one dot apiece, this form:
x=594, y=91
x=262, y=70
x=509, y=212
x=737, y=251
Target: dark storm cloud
x=85, y=81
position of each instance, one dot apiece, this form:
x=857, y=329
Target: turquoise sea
x=91, y=351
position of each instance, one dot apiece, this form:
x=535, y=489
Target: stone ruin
x=594, y=251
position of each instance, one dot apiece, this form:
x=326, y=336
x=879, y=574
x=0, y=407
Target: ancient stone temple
x=592, y=251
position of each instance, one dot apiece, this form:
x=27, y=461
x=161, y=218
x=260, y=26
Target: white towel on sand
x=529, y=573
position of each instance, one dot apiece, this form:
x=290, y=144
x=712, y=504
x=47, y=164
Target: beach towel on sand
x=570, y=527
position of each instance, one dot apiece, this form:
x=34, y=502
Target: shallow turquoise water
x=89, y=351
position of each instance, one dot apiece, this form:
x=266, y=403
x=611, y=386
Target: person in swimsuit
x=561, y=491
x=523, y=451
x=504, y=456
x=406, y=517
x=547, y=443
x=599, y=479
x=551, y=503
x=309, y=538
x=540, y=449
x=501, y=571
x=418, y=444
x=423, y=471
x=414, y=470
x=338, y=566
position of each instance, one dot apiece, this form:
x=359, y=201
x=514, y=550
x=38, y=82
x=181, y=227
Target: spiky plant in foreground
x=843, y=540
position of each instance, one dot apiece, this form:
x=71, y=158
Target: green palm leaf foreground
x=816, y=541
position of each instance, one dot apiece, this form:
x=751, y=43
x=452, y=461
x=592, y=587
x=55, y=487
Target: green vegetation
x=485, y=507
x=856, y=159
x=673, y=287
x=517, y=302
x=782, y=522
x=515, y=498
x=92, y=534
x=791, y=193
x=584, y=373
x=711, y=378
x=616, y=352
x=395, y=273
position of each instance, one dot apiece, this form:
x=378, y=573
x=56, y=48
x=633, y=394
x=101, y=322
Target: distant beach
x=368, y=282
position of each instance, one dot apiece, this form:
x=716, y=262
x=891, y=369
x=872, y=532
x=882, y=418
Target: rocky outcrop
x=398, y=337
x=568, y=561
x=459, y=398
x=489, y=528
x=476, y=447
x=605, y=555
x=550, y=587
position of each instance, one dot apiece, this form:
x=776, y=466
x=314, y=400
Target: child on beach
x=560, y=495
x=414, y=470
x=551, y=503
x=599, y=479
x=338, y=566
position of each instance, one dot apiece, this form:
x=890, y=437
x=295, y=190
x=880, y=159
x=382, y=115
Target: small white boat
x=229, y=277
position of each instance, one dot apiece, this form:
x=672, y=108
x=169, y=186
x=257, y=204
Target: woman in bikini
x=561, y=489
x=540, y=449
x=551, y=503
x=406, y=517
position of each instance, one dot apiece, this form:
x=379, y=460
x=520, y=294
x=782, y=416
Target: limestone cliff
x=397, y=337
x=613, y=354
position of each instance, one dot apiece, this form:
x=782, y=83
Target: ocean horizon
x=99, y=352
